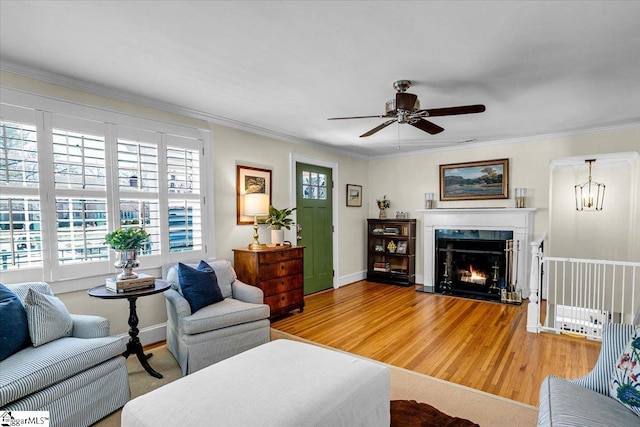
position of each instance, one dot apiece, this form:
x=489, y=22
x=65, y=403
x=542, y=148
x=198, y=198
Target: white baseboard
x=350, y=278
x=151, y=334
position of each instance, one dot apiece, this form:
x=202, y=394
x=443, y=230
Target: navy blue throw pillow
x=199, y=285
x=14, y=328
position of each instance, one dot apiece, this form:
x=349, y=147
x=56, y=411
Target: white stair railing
x=581, y=294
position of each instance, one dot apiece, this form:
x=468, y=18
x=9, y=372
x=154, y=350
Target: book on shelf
x=381, y=266
x=143, y=281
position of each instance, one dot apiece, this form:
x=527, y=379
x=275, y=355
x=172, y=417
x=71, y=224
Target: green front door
x=315, y=228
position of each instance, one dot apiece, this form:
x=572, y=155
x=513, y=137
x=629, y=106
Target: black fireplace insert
x=473, y=263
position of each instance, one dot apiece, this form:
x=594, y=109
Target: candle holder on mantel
x=429, y=199
x=521, y=195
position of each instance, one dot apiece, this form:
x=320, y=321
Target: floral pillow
x=625, y=383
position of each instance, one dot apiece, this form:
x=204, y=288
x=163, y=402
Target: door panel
x=314, y=217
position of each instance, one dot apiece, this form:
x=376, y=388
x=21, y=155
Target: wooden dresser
x=278, y=271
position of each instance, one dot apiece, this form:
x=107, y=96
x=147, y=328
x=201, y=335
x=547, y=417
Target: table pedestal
x=134, y=346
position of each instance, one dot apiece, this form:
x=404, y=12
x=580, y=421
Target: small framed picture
x=402, y=247
x=354, y=195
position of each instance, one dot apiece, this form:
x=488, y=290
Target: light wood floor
x=483, y=345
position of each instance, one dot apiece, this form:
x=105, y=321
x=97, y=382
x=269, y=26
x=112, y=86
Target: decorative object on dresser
x=382, y=205
x=278, y=271
x=277, y=220
x=391, y=251
x=256, y=204
x=487, y=179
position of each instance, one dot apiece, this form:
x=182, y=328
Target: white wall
x=405, y=179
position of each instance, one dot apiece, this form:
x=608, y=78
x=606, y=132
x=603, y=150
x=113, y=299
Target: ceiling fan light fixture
x=405, y=108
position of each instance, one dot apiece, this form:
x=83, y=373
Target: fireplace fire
x=477, y=263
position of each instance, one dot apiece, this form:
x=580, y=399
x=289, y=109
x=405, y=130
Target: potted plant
x=382, y=205
x=278, y=219
x=126, y=242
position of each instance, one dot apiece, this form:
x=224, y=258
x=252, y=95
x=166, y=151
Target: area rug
x=409, y=413
x=452, y=399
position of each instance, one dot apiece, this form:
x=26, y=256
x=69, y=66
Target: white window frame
x=48, y=113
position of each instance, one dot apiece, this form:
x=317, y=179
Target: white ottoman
x=281, y=383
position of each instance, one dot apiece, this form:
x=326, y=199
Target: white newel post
x=533, y=309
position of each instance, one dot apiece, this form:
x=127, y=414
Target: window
x=314, y=185
x=20, y=238
x=68, y=179
x=80, y=175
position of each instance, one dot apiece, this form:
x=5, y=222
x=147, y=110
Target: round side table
x=134, y=346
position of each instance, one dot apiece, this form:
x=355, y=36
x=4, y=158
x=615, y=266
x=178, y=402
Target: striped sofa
x=585, y=401
x=79, y=378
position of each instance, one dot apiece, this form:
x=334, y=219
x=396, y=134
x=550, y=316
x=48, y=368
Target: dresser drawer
x=280, y=269
x=281, y=284
x=284, y=299
x=276, y=256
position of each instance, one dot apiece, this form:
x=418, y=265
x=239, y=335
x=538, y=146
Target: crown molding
x=109, y=92
x=119, y=95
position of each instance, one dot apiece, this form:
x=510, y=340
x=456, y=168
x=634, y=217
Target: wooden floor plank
x=479, y=344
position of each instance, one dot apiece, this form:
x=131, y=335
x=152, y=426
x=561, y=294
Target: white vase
x=277, y=237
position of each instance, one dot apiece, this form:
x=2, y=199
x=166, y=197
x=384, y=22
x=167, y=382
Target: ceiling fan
x=405, y=108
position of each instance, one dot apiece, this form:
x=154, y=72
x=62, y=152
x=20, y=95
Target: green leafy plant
x=279, y=218
x=383, y=203
x=124, y=239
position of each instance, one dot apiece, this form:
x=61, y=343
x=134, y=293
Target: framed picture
x=250, y=180
x=402, y=247
x=487, y=179
x=354, y=195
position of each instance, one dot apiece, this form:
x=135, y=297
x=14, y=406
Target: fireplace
x=486, y=225
x=475, y=263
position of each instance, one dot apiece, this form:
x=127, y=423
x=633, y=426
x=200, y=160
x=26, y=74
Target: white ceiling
x=282, y=68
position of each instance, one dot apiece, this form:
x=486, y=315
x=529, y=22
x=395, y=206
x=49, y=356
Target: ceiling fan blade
x=452, y=111
x=359, y=117
x=377, y=128
x=405, y=101
x=427, y=126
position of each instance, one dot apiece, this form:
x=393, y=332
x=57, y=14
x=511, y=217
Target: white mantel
x=517, y=220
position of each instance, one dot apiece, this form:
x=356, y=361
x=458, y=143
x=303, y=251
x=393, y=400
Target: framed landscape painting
x=488, y=179
x=354, y=195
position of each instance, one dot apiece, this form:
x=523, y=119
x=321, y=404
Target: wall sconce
x=428, y=200
x=256, y=204
x=521, y=195
x=589, y=194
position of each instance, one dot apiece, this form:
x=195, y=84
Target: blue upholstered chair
x=217, y=331
x=79, y=377
x=586, y=401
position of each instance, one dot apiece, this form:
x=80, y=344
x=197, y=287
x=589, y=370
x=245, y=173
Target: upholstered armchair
x=588, y=400
x=219, y=330
x=69, y=365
